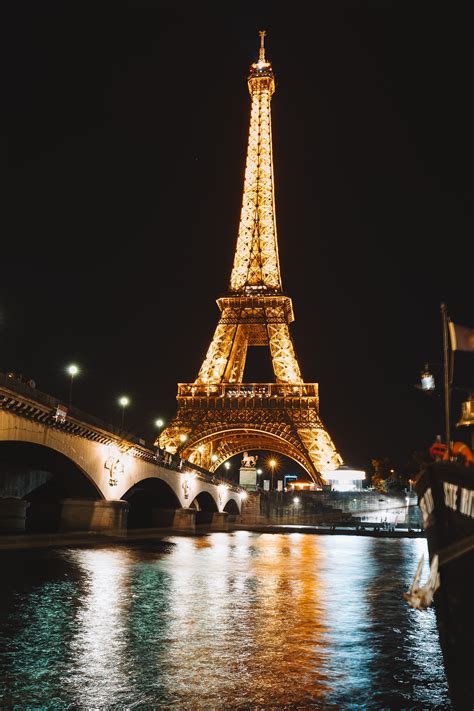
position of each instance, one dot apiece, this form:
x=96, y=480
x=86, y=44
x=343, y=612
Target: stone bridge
x=64, y=470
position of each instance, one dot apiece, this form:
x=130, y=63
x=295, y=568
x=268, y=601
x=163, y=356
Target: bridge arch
x=44, y=477
x=232, y=508
x=32, y=458
x=151, y=501
x=204, y=501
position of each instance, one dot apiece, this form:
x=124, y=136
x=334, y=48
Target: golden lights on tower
x=220, y=414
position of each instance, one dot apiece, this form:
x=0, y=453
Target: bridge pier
x=12, y=514
x=90, y=515
x=180, y=519
x=213, y=520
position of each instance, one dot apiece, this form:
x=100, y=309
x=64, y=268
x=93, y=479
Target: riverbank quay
x=99, y=538
x=374, y=530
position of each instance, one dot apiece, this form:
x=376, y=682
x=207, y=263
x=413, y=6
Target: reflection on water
x=223, y=621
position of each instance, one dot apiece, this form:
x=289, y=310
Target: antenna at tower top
x=261, y=55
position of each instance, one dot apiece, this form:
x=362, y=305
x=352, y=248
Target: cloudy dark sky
x=126, y=136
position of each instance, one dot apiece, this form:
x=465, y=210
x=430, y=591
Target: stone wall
x=313, y=507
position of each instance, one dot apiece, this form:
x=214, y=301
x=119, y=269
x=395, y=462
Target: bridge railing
x=51, y=402
x=174, y=461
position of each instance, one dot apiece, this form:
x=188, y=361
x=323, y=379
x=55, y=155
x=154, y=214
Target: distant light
x=214, y=458
x=124, y=401
x=227, y=465
x=72, y=369
x=201, y=448
x=243, y=495
x=159, y=423
x=259, y=471
x=183, y=437
x=272, y=463
x=296, y=500
x=427, y=380
x=344, y=479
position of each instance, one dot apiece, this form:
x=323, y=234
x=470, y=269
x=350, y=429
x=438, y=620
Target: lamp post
x=272, y=464
x=123, y=402
x=159, y=424
x=72, y=370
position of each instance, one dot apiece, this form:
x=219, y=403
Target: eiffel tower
x=218, y=415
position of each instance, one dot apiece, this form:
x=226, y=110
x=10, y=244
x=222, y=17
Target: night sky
x=126, y=146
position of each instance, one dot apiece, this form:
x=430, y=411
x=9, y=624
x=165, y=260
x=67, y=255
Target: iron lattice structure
x=218, y=415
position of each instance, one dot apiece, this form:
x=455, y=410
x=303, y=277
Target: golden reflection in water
x=292, y=608
x=260, y=633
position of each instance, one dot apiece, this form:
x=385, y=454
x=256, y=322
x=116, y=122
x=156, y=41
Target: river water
x=221, y=621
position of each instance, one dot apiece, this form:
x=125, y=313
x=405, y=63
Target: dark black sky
x=126, y=147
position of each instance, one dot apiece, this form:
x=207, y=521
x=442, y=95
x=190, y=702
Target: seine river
x=221, y=621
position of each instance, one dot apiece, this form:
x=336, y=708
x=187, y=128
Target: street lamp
x=272, y=464
x=123, y=402
x=72, y=370
x=427, y=380
x=159, y=424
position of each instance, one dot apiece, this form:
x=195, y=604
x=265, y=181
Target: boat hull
x=446, y=499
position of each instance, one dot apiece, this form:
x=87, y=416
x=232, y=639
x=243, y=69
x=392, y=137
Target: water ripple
x=224, y=621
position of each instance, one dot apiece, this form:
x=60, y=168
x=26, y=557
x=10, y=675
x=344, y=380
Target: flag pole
x=447, y=385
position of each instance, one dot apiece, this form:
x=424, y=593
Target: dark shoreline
x=84, y=538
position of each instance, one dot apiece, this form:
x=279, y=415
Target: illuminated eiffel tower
x=218, y=415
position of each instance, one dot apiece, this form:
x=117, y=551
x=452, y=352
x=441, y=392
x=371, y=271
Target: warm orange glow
x=302, y=485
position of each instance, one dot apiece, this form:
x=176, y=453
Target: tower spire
x=261, y=56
